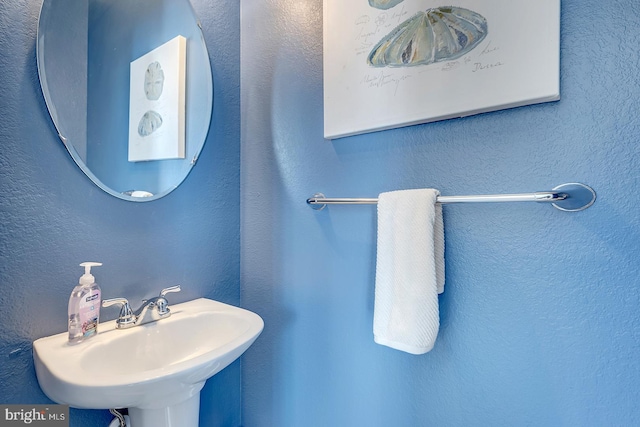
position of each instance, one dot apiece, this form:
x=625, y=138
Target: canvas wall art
x=392, y=63
x=157, y=103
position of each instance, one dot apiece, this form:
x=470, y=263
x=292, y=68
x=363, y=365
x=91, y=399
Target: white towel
x=409, y=270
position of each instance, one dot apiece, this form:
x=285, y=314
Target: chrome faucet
x=151, y=310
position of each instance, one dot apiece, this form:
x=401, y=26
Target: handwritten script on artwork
x=384, y=79
x=485, y=60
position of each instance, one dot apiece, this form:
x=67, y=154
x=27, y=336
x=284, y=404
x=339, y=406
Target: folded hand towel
x=409, y=270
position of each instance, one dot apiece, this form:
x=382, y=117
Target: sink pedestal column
x=183, y=414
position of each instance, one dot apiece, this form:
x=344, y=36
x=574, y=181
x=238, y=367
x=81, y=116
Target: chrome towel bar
x=571, y=197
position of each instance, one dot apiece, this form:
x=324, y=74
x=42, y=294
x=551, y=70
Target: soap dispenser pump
x=84, y=306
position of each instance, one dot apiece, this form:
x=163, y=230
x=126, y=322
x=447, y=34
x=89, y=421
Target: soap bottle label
x=89, y=313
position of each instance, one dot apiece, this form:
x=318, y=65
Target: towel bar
x=571, y=197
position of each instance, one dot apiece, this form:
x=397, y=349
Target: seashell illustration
x=149, y=123
x=153, y=81
x=384, y=4
x=440, y=34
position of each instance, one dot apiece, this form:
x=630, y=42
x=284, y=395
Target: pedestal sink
x=156, y=370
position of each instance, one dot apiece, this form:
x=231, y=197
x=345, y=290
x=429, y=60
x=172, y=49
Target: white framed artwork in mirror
x=393, y=63
x=157, y=100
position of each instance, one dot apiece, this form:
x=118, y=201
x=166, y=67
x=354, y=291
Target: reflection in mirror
x=85, y=51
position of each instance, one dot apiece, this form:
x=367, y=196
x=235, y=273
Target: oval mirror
x=128, y=85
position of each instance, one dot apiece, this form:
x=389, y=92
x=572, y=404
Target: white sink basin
x=156, y=370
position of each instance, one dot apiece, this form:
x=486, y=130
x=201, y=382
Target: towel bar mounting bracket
x=580, y=197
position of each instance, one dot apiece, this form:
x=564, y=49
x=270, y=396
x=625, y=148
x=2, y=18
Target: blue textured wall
x=540, y=319
x=52, y=217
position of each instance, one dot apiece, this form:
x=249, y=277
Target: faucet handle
x=126, y=317
x=165, y=291
x=113, y=301
x=161, y=302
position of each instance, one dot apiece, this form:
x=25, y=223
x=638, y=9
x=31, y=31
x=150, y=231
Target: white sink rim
x=58, y=364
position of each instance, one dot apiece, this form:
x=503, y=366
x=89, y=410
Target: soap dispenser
x=84, y=306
